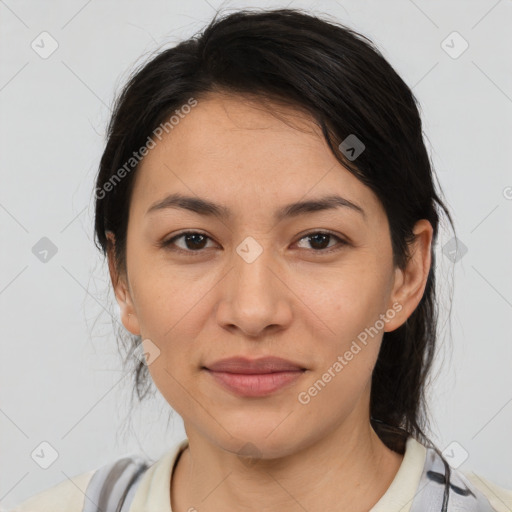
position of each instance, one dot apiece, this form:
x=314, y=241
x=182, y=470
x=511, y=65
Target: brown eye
x=195, y=242
x=319, y=241
x=192, y=242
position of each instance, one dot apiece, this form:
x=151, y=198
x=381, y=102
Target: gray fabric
x=112, y=487
x=462, y=495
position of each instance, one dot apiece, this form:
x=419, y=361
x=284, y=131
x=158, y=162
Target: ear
x=409, y=283
x=121, y=290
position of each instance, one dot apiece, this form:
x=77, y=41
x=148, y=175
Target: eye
x=193, y=241
x=319, y=240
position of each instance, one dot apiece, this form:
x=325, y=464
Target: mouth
x=254, y=377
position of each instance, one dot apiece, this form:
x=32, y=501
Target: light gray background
x=61, y=379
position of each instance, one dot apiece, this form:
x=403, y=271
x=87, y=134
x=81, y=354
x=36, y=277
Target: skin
x=293, y=301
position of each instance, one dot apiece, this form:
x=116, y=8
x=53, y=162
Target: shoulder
x=464, y=490
x=153, y=490
x=499, y=497
x=130, y=478
x=437, y=482
x=66, y=496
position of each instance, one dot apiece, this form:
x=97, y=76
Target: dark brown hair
x=342, y=80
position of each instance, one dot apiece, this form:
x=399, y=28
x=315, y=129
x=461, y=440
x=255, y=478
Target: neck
x=349, y=469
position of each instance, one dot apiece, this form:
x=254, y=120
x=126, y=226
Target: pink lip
x=256, y=377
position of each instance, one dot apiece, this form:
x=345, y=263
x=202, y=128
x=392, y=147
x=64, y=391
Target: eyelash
x=168, y=244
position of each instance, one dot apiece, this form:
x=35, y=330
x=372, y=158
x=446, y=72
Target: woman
x=267, y=207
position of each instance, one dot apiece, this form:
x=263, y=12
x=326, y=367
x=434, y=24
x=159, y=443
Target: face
x=316, y=287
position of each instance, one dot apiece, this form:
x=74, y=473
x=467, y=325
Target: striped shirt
x=136, y=485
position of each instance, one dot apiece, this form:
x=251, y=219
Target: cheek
x=351, y=304
x=351, y=307
x=167, y=298
x=349, y=300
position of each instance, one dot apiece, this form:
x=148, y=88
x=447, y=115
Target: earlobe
x=127, y=310
x=121, y=291
x=410, y=282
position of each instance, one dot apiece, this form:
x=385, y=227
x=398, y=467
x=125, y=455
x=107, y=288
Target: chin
x=252, y=450
x=264, y=442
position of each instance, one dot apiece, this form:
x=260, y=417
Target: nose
x=254, y=297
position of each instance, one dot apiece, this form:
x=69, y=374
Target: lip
x=254, y=377
x=253, y=366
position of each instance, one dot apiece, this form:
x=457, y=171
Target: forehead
x=223, y=128
x=241, y=152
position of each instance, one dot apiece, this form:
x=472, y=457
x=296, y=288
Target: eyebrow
x=208, y=208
